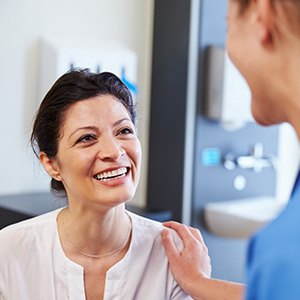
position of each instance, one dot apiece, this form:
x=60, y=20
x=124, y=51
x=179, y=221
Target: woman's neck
x=284, y=80
x=291, y=95
x=92, y=233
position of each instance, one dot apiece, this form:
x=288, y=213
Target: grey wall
x=167, y=131
x=168, y=106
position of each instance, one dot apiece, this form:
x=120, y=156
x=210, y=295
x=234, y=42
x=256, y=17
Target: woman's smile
x=110, y=175
x=113, y=177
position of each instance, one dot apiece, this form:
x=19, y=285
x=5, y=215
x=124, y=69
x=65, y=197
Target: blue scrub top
x=274, y=256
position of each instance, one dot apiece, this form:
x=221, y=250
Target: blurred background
x=205, y=162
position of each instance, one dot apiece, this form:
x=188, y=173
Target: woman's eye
x=86, y=138
x=126, y=130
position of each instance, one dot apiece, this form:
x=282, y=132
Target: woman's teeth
x=111, y=174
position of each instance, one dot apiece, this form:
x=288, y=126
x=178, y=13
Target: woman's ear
x=265, y=18
x=50, y=165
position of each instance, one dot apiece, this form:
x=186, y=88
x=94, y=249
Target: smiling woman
x=98, y=149
x=69, y=89
x=85, y=137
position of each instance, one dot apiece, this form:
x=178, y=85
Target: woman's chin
x=264, y=120
x=259, y=117
x=124, y=199
x=261, y=121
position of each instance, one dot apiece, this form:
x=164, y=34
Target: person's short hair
x=74, y=86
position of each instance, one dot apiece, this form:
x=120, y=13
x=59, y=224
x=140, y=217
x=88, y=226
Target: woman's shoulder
x=148, y=259
x=13, y=235
x=144, y=222
x=145, y=228
x=35, y=221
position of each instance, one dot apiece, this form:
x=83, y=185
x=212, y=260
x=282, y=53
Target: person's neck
x=93, y=232
x=285, y=85
x=291, y=97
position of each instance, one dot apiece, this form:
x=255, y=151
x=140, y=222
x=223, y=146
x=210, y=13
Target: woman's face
x=99, y=153
x=238, y=43
x=245, y=48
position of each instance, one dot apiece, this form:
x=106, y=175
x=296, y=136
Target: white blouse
x=33, y=265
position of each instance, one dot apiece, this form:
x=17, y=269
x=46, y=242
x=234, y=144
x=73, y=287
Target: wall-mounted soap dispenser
x=228, y=96
x=61, y=54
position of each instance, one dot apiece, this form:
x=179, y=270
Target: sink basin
x=241, y=218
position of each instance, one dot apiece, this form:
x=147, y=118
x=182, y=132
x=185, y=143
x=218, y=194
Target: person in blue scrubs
x=263, y=41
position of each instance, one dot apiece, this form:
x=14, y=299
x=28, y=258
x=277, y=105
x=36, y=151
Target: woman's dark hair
x=70, y=88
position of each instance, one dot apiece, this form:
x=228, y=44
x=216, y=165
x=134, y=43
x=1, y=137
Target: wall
x=22, y=23
x=168, y=116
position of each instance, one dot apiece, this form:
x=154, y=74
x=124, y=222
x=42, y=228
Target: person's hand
x=193, y=262
x=191, y=267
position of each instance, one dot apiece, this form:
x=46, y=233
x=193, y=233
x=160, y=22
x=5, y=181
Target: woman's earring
x=58, y=178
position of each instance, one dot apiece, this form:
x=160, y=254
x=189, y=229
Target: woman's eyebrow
x=121, y=121
x=84, y=128
x=118, y=122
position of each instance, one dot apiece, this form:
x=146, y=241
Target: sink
x=242, y=217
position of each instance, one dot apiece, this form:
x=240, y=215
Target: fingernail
x=164, y=233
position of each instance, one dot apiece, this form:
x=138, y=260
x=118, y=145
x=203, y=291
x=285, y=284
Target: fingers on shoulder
x=169, y=243
x=182, y=230
x=188, y=234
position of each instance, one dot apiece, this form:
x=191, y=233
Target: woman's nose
x=110, y=148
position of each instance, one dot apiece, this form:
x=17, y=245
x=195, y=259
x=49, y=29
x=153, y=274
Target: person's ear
x=50, y=165
x=265, y=19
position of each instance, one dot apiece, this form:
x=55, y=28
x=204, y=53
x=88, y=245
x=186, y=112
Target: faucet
x=255, y=161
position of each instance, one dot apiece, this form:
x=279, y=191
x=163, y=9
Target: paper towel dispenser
x=59, y=54
x=228, y=96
